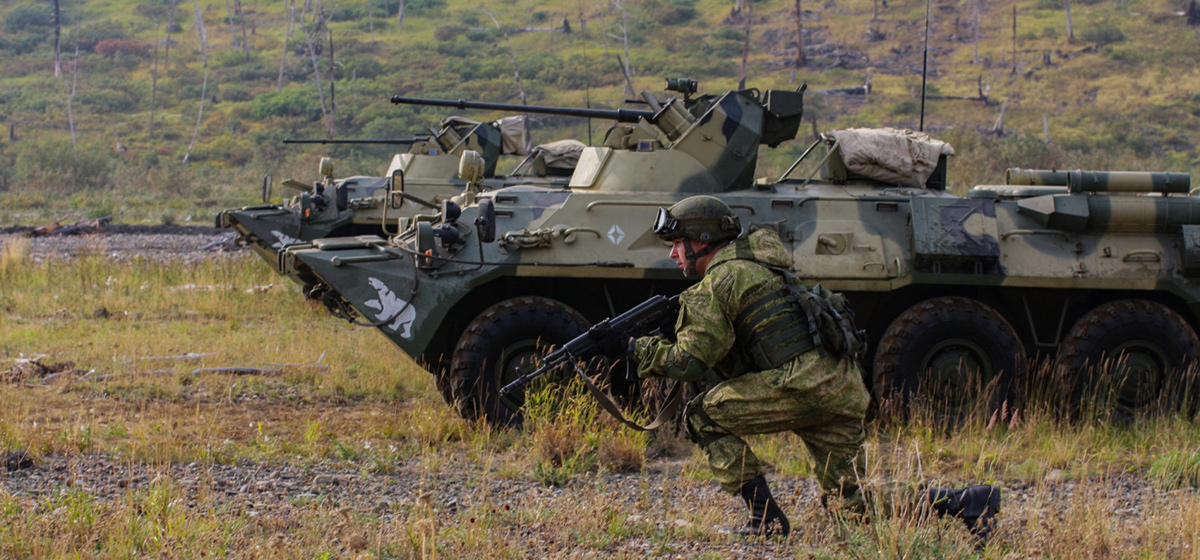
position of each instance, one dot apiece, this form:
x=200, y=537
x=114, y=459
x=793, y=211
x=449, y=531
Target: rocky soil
x=188, y=244
x=659, y=495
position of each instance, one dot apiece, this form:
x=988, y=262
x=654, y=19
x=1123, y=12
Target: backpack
x=830, y=320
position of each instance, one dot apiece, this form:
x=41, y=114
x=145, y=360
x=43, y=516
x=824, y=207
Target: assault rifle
x=641, y=320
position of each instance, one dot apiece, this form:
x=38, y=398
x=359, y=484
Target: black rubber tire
x=499, y=345
x=952, y=355
x=1146, y=355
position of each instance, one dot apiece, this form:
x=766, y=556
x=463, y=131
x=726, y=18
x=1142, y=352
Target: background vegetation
x=143, y=84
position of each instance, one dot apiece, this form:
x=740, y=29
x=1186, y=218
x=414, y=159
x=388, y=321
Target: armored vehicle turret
x=427, y=173
x=956, y=293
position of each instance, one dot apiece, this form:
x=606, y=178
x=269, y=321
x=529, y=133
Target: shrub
x=123, y=47
x=906, y=107
x=229, y=58
x=361, y=68
x=445, y=33
x=88, y=35
x=155, y=9
x=421, y=6
x=52, y=165
x=347, y=12
x=289, y=102
x=1104, y=33
x=107, y=100
x=671, y=12
x=29, y=17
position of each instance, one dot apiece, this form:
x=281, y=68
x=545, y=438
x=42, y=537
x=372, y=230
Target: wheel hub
x=955, y=373
x=516, y=360
x=1137, y=374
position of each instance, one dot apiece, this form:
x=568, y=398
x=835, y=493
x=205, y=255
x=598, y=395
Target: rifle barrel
x=620, y=115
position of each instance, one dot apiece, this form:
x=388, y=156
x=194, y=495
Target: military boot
x=766, y=518
x=976, y=506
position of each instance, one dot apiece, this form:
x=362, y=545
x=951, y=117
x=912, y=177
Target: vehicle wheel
x=503, y=343
x=954, y=355
x=1126, y=358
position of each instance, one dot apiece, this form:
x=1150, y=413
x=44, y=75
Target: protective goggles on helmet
x=665, y=223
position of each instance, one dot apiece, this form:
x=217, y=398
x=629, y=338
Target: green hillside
x=137, y=92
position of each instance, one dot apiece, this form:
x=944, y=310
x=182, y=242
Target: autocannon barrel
x=1078, y=181
x=620, y=115
x=414, y=140
x=1127, y=182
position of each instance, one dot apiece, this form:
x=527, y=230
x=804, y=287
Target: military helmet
x=706, y=219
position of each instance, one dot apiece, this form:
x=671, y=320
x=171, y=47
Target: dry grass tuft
x=13, y=250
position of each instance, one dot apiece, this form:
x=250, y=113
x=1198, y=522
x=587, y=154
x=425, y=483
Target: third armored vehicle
x=426, y=173
x=1097, y=271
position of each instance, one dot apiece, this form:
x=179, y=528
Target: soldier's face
x=679, y=254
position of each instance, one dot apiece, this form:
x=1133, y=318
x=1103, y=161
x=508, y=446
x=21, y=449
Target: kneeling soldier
x=744, y=337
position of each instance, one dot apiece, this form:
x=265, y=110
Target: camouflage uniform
x=822, y=399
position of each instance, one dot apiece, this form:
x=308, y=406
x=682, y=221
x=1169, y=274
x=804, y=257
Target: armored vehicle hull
x=957, y=294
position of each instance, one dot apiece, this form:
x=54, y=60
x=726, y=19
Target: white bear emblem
x=389, y=305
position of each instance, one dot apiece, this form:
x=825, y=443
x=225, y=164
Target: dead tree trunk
x=625, y=39
x=167, y=45
x=286, y=41
x=525, y=147
x=1014, y=40
x=746, y=44
x=799, y=36
x=1070, y=26
x=312, y=52
x=154, y=82
x=975, y=31
x=232, y=29
x=237, y=7
x=332, y=81
x=400, y=14
x=70, y=114
x=57, y=42
x=203, y=37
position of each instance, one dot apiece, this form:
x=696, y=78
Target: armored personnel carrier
x=426, y=173
x=1096, y=271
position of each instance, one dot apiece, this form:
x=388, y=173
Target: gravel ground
x=657, y=494
x=189, y=244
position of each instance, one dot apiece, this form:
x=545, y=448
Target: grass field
x=349, y=451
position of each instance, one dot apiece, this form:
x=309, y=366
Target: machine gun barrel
x=620, y=115
x=414, y=140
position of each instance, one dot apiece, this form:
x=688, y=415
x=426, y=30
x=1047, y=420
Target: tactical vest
x=785, y=323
